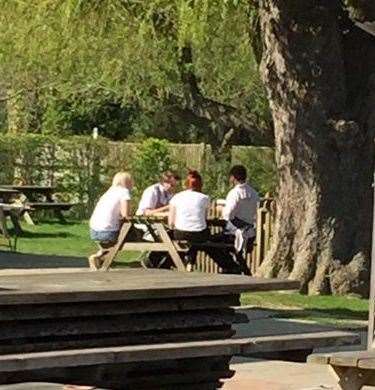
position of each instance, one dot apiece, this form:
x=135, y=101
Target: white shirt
x=241, y=202
x=107, y=212
x=190, y=210
x=153, y=198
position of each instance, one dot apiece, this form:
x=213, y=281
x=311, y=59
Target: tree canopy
x=182, y=67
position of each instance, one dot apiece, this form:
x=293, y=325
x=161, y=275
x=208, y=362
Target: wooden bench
x=353, y=369
x=56, y=207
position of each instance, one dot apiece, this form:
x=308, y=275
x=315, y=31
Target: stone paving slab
x=279, y=375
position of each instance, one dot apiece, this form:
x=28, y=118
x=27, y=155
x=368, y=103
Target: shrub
x=151, y=158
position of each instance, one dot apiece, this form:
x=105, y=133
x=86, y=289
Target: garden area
x=186, y=194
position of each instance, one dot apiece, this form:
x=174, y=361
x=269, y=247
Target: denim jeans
x=104, y=235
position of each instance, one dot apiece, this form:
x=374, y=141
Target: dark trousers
x=194, y=239
x=227, y=259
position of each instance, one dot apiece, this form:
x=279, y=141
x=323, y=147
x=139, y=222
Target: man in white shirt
x=241, y=203
x=155, y=199
x=239, y=214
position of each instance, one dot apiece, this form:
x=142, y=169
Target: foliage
x=78, y=56
x=216, y=175
x=151, y=158
x=81, y=168
x=261, y=166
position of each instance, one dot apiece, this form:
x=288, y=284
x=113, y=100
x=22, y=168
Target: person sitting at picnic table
x=155, y=202
x=155, y=199
x=111, y=209
x=239, y=214
x=188, y=216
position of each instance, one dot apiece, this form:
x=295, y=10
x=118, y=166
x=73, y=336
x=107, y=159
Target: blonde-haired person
x=112, y=207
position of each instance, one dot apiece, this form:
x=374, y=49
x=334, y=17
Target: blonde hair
x=122, y=179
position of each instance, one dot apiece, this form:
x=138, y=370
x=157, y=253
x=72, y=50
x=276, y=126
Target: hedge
x=81, y=168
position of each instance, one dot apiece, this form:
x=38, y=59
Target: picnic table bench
x=353, y=369
x=34, y=193
x=14, y=212
x=162, y=242
x=127, y=329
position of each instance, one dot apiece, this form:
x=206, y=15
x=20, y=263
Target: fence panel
x=262, y=243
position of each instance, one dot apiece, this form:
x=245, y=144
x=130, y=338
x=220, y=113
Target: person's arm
x=172, y=216
x=230, y=205
x=163, y=209
x=125, y=209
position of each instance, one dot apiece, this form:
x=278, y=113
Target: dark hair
x=238, y=172
x=168, y=175
x=194, y=181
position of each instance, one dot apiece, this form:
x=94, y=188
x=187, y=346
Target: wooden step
x=302, y=341
x=125, y=354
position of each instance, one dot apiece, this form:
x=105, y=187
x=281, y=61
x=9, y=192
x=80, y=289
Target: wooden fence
x=265, y=217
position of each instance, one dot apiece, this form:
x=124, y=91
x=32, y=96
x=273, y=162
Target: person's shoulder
x=176, y=197
x=150, y=188
x=125, y=193
x=204, y=196
x=252, y=190
x=232, y=192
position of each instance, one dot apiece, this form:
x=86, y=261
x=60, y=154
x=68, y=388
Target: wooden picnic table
x=34, y=193
x=14, y=212
x=7, y=194
x=156, y=225
x=125, y=329
x=157, y=229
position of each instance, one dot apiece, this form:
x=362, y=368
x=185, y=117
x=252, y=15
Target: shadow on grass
x=28, y=234
x=57, y=222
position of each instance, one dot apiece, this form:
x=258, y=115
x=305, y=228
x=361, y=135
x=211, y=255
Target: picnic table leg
x=15, y=218
x=4, y=229
x=351, y=378
x=60, y=216
x=171, y=248
x=110, y=256
x=27, y=218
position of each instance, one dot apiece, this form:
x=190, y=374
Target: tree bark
x=322, y=97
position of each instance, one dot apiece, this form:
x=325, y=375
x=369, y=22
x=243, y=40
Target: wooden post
x=370, y=333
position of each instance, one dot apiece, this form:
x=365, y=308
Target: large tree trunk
x=317, y=68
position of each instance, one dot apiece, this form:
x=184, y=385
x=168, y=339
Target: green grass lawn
x=54, y=238
x=345, y=311
x=72, y=239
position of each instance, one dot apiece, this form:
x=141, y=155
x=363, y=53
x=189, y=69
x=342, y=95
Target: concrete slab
x=278, y=375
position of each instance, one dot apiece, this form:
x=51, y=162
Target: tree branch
x=223, y=117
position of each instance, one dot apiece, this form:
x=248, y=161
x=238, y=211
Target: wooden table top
x=127, y=285
x=28, y=187
x=8, y=191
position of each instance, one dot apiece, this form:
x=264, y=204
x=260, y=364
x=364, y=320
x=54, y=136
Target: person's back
x=190, y=210
x=105, y=221
x=241, y=203
x=107, y=212
x=187, y=216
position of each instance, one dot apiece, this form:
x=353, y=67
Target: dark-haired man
x=239, y=213
x=241, y=202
